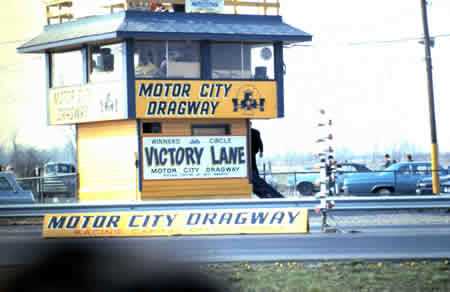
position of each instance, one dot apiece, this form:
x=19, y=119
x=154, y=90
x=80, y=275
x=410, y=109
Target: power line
x=400, y=40
x=375, y=42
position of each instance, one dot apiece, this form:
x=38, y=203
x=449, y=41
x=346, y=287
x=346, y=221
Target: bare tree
x=24, y=159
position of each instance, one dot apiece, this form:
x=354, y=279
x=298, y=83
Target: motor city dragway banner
x=170, y=99
x=194, y=157
x=87, y=103
x=206, y=6
x=177, y=222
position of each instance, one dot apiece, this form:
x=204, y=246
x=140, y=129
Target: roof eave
x=214, y=37
x=60, y=45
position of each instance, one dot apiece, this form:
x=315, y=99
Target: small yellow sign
x=87, y=103
x=167, y=223
x=170, y=99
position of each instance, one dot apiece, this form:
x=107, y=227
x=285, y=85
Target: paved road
x=23, y=245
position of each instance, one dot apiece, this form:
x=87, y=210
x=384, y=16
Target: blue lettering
x=191, y=219
x=56, y=223
x=204, y=90
x=113, y=222
x=214, y=105
x=278, y=216
x=193, y=107
x=227, y=89
x=259, y=218
x=86, y=221
x=226, y=218
x=146, y=219
x=73, y=222
x=133, y=218
x=170, y=219
x=156, y=220
x=161, y=108
x=240, y=219
x=292, y=217
x=209, y=218
x=151, y=108
x=99, y=221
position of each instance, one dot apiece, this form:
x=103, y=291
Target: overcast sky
x=374, y=91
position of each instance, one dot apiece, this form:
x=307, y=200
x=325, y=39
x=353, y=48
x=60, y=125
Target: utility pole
x=434, y=143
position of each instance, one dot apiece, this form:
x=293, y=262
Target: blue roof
x=167, y=26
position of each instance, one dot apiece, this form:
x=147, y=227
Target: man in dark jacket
x=260, y=187
x=257, y=147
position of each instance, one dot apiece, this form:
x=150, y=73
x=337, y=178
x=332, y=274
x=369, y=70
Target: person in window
x=155, y=6
x=146, y=66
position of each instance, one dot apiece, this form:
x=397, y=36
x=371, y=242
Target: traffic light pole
x=434, y=143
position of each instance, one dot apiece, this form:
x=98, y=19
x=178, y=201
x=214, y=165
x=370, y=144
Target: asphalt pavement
x=354, y=240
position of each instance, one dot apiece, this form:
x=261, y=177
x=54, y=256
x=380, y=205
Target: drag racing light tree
x=325, y=153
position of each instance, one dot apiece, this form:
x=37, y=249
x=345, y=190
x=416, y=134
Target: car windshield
x=63, y=168
x=50, y=168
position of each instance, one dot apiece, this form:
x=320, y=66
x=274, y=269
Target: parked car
x=309, y=184
x=445, y=187
x=59, y=180
x=399, y=178
x=11, y=192
x=424, y=186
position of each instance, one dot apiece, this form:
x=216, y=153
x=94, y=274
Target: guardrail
x=342, y=204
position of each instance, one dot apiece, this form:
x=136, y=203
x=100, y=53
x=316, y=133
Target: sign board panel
x=177, y=222
x=87, y=103
x=171, y=99
x=194, y=157
x=205, y=6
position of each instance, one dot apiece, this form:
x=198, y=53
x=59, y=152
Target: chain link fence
x=61, y=188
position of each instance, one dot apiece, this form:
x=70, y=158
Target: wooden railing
x=266, y=6
x=62, y=10
x=58, y=10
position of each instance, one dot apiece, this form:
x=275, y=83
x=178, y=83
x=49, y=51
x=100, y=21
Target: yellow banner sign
x=206, y=99
x=166, y=223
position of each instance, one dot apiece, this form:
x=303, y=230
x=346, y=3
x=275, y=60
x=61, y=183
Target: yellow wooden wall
x=196, y=188
x=107, y=153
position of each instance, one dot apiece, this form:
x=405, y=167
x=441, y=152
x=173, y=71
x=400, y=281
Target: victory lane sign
x=186, y=222
x=194, y=157
x=205, y=99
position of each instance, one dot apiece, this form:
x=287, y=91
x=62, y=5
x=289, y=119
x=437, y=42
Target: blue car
x=399, y=178
x=11, y=192
x=308, y=184
x=424, y=186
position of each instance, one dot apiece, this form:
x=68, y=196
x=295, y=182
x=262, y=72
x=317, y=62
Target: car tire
x=305, y=188
x=384, y=191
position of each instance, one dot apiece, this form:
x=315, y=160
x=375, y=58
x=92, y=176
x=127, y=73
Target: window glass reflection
x=106, y=63
x=60, y=62
x=150, y=59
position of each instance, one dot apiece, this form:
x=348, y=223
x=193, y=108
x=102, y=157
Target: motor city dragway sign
x=171, y=99
x=177, y=222
x=194, y=157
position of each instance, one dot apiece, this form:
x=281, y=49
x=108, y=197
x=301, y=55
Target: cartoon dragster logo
x=248, y=99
